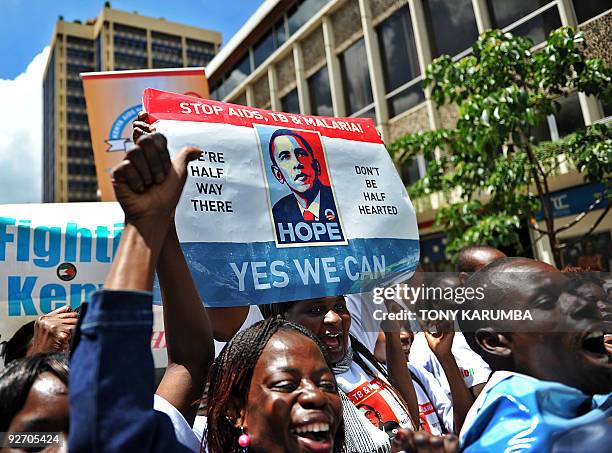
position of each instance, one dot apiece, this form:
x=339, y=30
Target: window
x=400, y=62
x=569, y=117
x=410, y=171
x=320, y=94
x=451, y=25
x=291, y=102
x=538, y=28
x=566, y=120
x=406, y=99
x=280, y=33
x=356, y=78
x=586, y=9
x=263, y=49
x=504, y=12
x=303, y=10
x=606, y=107
x=235, y=77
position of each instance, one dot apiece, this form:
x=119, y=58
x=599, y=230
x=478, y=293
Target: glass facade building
x=115, y=40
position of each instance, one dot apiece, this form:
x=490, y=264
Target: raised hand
x=141, y=127
x=440, y=343
x=147, y=183
x=52, y=331
x=423, y=442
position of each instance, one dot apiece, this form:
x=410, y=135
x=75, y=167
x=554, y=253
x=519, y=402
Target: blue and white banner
x=53, y=255
x=285, y=207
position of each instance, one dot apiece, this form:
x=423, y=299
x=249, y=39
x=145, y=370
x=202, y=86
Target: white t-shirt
x=475, y=370
x=253, y=316
x=199, y=426
x=184, y=433
x=434, y=405
x=363, y=325
x=372, y=396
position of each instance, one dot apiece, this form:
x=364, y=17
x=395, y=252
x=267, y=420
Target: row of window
x=205, y=48
x=85, y=55
x=166, y=39
x=75, y=134
x=132, y=61
x=76, y=41
x=75, y=101
x=127, y=43
x=81, y=169
x=82, y=190
x=197, y=58
x=76, y=69
x=451, y=28
x=80, y=152
x=129, y=31
x=297, y=15
x=77, y=118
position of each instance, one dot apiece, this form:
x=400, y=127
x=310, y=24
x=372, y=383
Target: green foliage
x=503, y=91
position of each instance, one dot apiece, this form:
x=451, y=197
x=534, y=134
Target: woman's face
x=329, y=319
x=45, y=409
x=292, y=403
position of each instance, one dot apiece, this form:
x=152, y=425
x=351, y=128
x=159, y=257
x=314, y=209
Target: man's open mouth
x=332, y=340
x=314, y=437
x=593, y=348
x=302, y=177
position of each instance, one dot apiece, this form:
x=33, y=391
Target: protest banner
x=113, y=101
x=57, y=254
x=285, y=207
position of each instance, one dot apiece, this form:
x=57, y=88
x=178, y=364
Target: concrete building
x=365, y=58
x=115, y=40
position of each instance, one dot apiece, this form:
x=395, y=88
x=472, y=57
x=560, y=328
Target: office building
x=366, y=58
x=115, y=40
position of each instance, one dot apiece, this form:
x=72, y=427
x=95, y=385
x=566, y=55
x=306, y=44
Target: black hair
x=282, y=132
x=19, y=376
x=466, y=261
x=17, y=346
x=230, y=377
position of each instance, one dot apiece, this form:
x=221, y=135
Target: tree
x=489, y=168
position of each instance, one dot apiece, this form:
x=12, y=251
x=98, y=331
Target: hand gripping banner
x=285, y=207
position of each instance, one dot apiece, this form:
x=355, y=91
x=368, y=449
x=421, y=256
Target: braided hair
x=231, y=374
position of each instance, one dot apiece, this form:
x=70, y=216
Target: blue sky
x=26, y=25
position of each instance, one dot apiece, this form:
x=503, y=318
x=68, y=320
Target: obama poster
x=300, y=191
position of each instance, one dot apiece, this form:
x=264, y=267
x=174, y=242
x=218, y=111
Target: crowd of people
x=313, y=375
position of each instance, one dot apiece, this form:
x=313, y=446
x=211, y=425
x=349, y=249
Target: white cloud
x=21, y=126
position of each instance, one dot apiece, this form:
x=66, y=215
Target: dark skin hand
x=148, y=187
x=440, y=344
x=188, y=332
x=423, y=442
x=148, y=206
x=52, y=331
x=225, y=322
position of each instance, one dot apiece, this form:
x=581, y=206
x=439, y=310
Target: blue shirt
x=518, y=413
x=111, y=383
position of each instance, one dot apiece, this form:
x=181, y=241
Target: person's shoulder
x=327, y=195
x=284, y=204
